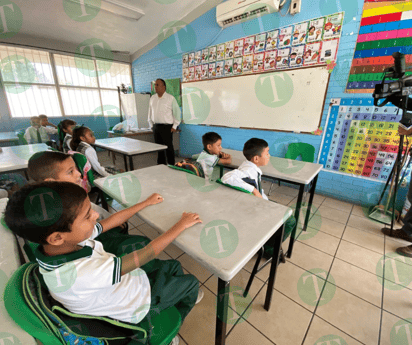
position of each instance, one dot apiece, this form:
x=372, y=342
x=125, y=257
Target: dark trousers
x=407, y=220
x=164, y=136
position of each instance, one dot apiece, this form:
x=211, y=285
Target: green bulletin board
x=173, y=88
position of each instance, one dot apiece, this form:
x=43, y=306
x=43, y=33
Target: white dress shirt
x=91, y=155
x=246, y=170
x=50, y=130
x=164, y=110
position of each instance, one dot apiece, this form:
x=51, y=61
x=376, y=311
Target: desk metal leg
x=26, y=174
x=165, y=154
x=125, y=163
x=312, y=193
x=104, y=201
x=277, y=245
x=131, y=166
x=222, y=308
x=297, y=214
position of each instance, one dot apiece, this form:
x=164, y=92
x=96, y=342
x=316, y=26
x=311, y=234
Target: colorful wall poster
x=191, y=59
x=270, y=60
x=258, y=60
x=329, y=50
x=198, y=57
x=205, y=55
x=282, y=60
x=212, y=54
x=185, y=61
x=247, y=64
x=296, y=56
x=285, y=37
x=238, y=48
x=315, y=30
x=185, y=76
x=360, y=139
x=230, y=49
x=249, y=45
x=221, y=51
x=312, y=53
x=212, y=70
x=260, y=43
x=385, y=28
x=333, y=26
x=228, y=67
x=205, y=71
x=272, y=40
x=198, y=72
x=299, y=34
x=191, y=73
x=237, y=65
x=220, y=68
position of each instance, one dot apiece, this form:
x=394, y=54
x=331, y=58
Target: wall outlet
x=295, y=6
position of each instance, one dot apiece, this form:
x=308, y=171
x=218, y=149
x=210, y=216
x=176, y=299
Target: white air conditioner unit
x=232, y=12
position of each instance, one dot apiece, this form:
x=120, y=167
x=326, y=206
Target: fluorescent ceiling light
x=116, y=8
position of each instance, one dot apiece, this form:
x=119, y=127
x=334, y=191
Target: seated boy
x=49, y=127
x=36, y=133
x=212, y=154
x=249, y=176
x=58, y=216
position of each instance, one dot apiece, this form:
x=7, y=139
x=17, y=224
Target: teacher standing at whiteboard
x=164, y=113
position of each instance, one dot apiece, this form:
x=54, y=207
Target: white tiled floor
x=333, y=287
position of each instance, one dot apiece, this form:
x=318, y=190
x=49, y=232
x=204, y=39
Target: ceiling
x=61, y=20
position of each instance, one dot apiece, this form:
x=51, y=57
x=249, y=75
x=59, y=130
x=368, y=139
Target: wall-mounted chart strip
x=386, y=28
x=360, y=139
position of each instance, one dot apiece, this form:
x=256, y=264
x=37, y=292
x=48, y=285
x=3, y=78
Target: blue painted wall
x=204, y=31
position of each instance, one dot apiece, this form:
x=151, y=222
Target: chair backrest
x=81, y=161
x=306, y=151
x=22, y=139
x=233, y=187
x=61, y=135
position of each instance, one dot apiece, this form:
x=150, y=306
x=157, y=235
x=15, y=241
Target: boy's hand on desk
x=154, y=199
x=256, y=193
x=224, y=155
x=189, y=219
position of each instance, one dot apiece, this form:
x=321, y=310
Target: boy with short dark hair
x=58, y=216
x=212, y=154
x=36, y=133
x=249, y=176
x=48, y=126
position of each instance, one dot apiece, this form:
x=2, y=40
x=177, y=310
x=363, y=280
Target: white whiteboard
x=135, y=107
x=283, y=100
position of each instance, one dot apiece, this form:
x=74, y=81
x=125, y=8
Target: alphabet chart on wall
x=361, y=139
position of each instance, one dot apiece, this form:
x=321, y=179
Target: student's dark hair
x=25, y=213
x=42, y=116
x=67, y=123
x=77, y=133
x=210, y=138
x=164, y=83
x=254, y=147
x=44, y=165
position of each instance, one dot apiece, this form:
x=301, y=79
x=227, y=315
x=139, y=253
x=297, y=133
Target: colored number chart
x=386, y=27
x=360, y=139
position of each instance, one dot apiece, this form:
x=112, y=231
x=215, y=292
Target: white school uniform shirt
x=50, y=130
x=66, y=142
x=89, y=281
x=208, y=163
x=246, y=170
x=31, y=135
x=164, y=110
x=91, y=156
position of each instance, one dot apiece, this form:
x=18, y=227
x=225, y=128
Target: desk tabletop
x=8, y=136
x=131, y=133
x=128, y=146
x=235, y=225
x=283, y=168
x=16, y=157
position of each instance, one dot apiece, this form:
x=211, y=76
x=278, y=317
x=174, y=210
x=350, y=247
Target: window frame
x=58, y=86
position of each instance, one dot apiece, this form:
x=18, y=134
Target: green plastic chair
x=166, y=325
x=306, y=151
x=233, y=187
x=22, y=139
x=61, y=135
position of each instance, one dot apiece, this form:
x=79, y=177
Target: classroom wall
x=204, y=31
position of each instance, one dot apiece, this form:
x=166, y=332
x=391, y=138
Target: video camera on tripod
x=397, y=92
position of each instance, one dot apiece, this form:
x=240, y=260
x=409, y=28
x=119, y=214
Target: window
x=39, y=82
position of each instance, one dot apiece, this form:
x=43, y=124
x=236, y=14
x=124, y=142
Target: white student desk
x=251, y=222
x=9, y=262
x=14, y=158
x=286, y=170
x=129, y=147
x=8, y=136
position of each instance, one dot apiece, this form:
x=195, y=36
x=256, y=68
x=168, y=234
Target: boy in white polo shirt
x=80, y=274
x=212, y=154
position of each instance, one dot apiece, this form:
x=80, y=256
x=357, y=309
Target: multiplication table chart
x=361, y=139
